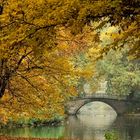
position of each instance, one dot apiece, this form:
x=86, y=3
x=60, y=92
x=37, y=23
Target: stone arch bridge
x=121, y=104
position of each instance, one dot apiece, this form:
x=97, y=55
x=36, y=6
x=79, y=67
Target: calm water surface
x=84, y=128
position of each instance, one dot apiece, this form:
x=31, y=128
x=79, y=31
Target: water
x=89, y=128
x=92, y=122
x=84, y=128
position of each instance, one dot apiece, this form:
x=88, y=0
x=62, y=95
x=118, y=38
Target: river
x=84, y=127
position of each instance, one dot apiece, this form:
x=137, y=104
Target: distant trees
x=122, y=74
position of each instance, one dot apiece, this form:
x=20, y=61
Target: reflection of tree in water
x=35, y=132
x=128, y=127
x=131, y=132
x=133, y=128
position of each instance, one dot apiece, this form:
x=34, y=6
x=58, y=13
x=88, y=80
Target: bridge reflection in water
x=97, y=114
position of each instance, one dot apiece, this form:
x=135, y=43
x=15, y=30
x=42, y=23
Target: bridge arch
x=96, y=100
x=84, y=103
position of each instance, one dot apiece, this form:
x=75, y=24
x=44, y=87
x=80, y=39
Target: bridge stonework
x=121, y=106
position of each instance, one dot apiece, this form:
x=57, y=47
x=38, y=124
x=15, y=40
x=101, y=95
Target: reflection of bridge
x=121, y=104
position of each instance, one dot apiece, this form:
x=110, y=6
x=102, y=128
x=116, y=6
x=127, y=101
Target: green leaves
x=110, y=135
x=123, y=75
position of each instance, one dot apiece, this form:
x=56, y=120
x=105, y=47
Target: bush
x=111, y=136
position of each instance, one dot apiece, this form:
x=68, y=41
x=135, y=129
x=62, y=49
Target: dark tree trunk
x=2, y=88
x=1, y=10
x=3, y=84
x=4, y=77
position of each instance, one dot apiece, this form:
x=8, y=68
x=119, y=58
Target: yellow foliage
x=35, y=76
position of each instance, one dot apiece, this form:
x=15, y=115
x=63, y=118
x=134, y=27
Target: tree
x=33, y=73
x=122, y=75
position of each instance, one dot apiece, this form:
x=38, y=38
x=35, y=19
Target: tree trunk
x=3, y=85
x=4, y=77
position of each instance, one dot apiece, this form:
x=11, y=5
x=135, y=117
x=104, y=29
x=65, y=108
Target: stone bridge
x=121, y=104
